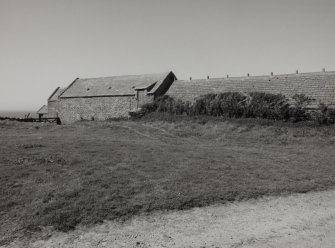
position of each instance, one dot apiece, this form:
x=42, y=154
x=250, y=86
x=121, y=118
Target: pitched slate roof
x=112, y=86
x=319, y=85
x=43, y=110
x=57, y=92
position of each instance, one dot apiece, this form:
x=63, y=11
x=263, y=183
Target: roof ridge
x=114, y=85
x=128, y=75
x=41, y=108
x=66, y=88
x=53, y=93
x=260, y=76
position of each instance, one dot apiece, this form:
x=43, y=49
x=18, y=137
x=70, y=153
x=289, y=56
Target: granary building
x=110, y=97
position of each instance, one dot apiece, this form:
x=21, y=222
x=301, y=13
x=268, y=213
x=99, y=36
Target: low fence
x=29, y=119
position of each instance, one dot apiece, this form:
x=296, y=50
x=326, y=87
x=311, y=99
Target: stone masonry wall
x=144, y=98
x=52, y=109
x=319, y=86
x=95, y=108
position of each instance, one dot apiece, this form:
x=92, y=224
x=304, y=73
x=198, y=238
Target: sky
x=48, y=43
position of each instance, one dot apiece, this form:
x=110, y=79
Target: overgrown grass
x=82, y=174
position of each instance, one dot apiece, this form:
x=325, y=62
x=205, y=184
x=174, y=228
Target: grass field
x=63, y=176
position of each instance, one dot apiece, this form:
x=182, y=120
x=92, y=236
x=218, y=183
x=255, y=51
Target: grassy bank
x=63, y=176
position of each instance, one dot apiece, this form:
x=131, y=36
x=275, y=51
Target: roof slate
x=112, y=86
x=54, y=96
x=319, y=86
x=43, y=110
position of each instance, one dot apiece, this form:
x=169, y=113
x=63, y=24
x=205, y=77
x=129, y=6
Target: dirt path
x=300, y=220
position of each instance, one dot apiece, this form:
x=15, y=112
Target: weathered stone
x=95, y=108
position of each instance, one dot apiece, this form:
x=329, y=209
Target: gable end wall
x=52, y=109
x=95, y=108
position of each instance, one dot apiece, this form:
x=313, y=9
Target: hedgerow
x=239, y=105
x=268, y=106
x=325, y=115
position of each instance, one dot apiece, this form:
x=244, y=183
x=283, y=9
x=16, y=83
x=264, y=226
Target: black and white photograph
x=167, y=123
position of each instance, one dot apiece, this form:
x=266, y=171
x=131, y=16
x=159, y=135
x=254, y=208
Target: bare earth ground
x=299, y=220
x=60, y=178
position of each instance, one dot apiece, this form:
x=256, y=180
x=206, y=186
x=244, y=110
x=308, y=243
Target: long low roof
x=112, y=86
x=319, y=85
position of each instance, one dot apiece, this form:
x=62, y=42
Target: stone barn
x=42, y=112
x=318, y=85
x=53, y=102
x=110, y=97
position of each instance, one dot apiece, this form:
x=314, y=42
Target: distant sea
x=18, y=114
